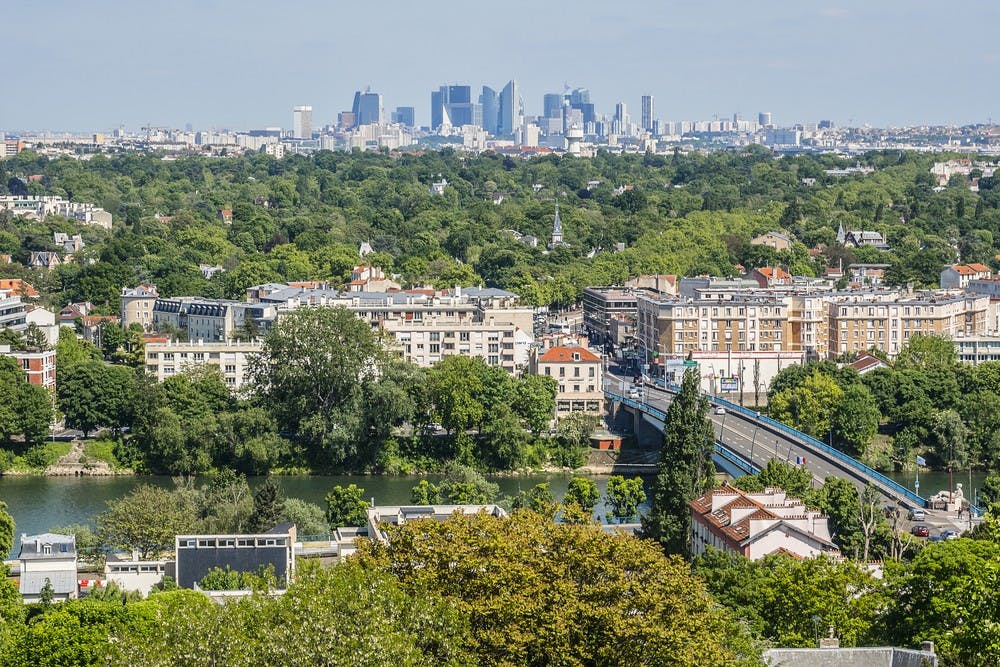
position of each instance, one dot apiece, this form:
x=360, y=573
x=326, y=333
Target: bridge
x=746, y=440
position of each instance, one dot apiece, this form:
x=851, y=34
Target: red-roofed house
x=19, y=287
x=756, y=525
x=957, y=276
x=771, y=276
x=578, y=372
x=866, y=363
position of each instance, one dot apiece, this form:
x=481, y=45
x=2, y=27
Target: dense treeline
x=326, y=394
x=926, y=404
x=481, y=590
x=304, y=218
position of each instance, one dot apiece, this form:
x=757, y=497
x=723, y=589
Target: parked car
x=949, y=534
x=921, y=531
x=720, y=410
x=935, y=538
x=889, y=510
x=918, y=515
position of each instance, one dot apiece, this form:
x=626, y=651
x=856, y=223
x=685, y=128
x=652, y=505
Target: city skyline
x=239, y=66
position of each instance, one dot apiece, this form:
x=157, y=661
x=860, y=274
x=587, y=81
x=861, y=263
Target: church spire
x=556, y=228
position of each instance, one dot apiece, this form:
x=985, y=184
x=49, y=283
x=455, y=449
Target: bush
x=102, y=450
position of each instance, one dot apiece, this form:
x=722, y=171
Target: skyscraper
x=404, y=116
x=511, y=109
x=579, y=98
x=552, y=105
x=302, y=122
x=367, y=108
x=620, y=123
x=647, y=113
x=455, y=104
x=490, y=105
x=764, y=118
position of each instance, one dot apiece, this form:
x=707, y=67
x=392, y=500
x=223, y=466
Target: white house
x=48, y=558
x=958, y=276
x=755, y=525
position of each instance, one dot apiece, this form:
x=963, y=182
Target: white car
x=720, y=410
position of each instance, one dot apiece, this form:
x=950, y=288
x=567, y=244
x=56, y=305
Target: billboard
x=729, y=385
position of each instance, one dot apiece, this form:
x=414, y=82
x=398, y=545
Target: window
x=435, y=335
x=463, y=336
x=230, y=368
x=494, y=347
x=435, y=348
x=562, y=371
x=548, y=370
x=592, y=371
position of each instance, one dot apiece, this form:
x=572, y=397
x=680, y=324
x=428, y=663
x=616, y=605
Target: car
x=935, y=538
x=921, y=531
x=889, y=511
x=949, y=534
x=633, y=393
x=720, y=410
x=918, y=515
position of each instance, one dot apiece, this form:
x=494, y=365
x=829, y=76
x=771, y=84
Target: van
x=918, y=515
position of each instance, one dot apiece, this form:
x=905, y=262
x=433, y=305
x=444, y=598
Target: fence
x=848, y=461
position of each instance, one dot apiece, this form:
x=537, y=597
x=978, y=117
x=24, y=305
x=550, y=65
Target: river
x=39, y=503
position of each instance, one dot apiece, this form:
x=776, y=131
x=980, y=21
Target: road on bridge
x=759, y=443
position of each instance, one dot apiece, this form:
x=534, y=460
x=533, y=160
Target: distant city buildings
x=302, y=122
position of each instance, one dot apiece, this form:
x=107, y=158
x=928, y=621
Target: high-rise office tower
x=647, y=113
x=764, y=118
x=579, y=98
x=552, y=105
x=302, y=122
x=620, y=123
x=489, y=102
x=404, y=116
x=511, y=109
x=367, y=108
x=455, y=104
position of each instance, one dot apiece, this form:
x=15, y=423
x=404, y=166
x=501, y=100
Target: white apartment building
x=40, y=207
x=232, y=357
x=428, y=326
x=755, y=525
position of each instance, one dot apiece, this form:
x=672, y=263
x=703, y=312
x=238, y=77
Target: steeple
x=556, y=229
x=841, y=235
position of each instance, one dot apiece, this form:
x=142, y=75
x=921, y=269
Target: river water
x=39, y=503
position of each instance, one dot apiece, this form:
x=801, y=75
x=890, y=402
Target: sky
x=241, y=64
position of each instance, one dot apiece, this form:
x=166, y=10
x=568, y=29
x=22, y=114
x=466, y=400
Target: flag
x=921, y=461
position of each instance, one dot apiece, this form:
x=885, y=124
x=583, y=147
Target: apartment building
x=856, y=324
x=39, y=366
x=40, y=207
x=137, y=305
x=604, y=305
x=426, y=325
x=212, y=320
x=744, y=322
x=231, y=356
x=579, y=373
x=958, y=276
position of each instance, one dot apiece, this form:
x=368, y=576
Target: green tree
x=535, y=401
x=309, y=518
x=35, y=412
x=146, y=520
x=6, y=532
x=538, y=499
x=424, y=493
x=346, y=506
x=923, y=351
x=795, y=480
x=811, y=406
x=268, y=506
x=624, y=496
x=315, y=369
x=685, y=470
x=582, y=492
x=947, y=594
x=856, y=419
x=537, y=592
x=463, y=485
x=950, y=438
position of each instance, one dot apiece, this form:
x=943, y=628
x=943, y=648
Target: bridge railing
x=850, y=461
x=735, y=459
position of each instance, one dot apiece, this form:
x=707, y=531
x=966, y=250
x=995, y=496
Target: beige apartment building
x=579, y=374
x=676, y=326
x=164, y=360
x=856, y=325
x=137, y=306
x=428, y=326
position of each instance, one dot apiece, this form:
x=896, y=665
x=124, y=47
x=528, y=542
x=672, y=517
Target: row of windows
x=592, y=371
x=214, y=542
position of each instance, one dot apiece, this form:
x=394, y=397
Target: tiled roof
x=979, y=268
x=565, y=354
x=774, y=272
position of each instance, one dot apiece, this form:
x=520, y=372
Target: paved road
x=758, y=444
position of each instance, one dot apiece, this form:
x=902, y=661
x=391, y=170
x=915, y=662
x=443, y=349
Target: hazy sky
x=95, y=64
